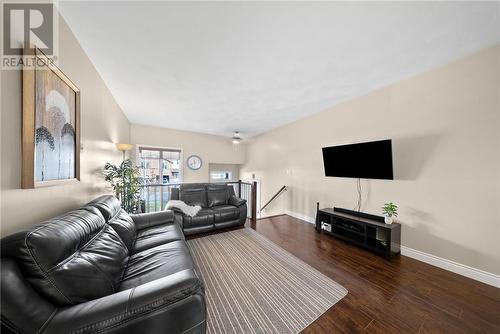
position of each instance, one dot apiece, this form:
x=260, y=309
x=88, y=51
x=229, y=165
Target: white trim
x=300, y=216
x=455, y=267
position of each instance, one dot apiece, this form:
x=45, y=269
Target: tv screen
x=371, y=160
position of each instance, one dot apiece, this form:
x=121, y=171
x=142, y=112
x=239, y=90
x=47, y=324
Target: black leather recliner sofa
x=99, y=270
x=220, y=207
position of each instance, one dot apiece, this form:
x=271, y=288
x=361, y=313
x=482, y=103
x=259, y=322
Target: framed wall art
x=51, y=124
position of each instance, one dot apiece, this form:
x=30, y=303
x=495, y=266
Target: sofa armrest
x=236, y=201
x=145, y=220
x=153, y=307
x=23, y=309
x=179, y=220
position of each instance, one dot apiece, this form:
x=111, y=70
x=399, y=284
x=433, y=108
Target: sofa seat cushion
x=155, y=263
x=70, y=259
x=204, y=217
x=156, y=236
x=224, y=213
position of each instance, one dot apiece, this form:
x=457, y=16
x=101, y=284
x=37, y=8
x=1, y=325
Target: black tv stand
x=362, y=229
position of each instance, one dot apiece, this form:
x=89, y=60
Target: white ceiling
x=216, y=67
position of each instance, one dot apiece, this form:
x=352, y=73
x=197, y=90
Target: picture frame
x=50, y=124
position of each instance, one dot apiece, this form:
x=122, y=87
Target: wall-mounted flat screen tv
x=370, y=160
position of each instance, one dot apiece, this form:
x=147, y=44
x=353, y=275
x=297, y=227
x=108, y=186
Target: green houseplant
x=125, y=182
x=389, y=210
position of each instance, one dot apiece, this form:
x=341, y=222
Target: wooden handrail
x=274, y=197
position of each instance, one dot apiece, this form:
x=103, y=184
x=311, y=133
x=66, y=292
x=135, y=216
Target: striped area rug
x=254, y=286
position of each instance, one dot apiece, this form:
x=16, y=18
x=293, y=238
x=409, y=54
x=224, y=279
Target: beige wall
x=445, y=127
x=211, y=149
x=102, y=124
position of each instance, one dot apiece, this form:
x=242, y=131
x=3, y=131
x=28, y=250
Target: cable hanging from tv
x=360, y=197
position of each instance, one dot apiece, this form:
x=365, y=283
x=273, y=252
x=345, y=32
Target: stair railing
x=278, y=193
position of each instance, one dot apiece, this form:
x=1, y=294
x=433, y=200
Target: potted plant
x=125, y=182
x=389, y=210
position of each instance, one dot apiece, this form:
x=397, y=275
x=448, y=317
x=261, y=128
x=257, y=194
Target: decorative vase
x=388, y=219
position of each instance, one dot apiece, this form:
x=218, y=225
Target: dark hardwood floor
x=398, y=296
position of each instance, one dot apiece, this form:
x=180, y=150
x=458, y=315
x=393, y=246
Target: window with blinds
x=220, y=176
x=160, y=165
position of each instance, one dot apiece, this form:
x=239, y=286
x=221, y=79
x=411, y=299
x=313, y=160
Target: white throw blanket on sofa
x=181, y=206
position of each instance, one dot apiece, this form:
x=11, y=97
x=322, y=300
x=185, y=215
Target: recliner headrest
x=194, y=194
x=217, y=186
x=108, y=205
x=193, y=187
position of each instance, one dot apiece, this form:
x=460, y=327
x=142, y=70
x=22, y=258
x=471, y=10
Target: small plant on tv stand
x=389, y=210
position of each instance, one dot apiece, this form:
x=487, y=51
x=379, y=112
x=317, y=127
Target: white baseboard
x=300, y=216
x=455, y=267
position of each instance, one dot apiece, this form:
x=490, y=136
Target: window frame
x=161, y=149
x=230, y=173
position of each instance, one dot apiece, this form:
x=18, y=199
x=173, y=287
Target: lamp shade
x=124, y=147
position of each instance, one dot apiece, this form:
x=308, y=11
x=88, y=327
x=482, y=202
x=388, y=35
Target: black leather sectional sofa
x=220, y=207
x=98, y=269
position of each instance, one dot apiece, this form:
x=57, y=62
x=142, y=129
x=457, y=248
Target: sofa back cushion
x=123, y=224
x=108, y=205
x=70, y=259
x=217, y=194
x=116, y=217
x=194, y=194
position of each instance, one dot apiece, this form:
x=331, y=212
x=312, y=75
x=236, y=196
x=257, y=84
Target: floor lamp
x=124, y=148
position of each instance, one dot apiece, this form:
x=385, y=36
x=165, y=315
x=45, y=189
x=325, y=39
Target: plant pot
x=388, y=219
